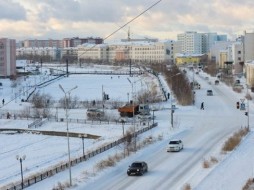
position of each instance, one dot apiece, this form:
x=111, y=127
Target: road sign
x=242, y=106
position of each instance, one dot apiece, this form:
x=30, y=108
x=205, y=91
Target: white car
x=144, y=117
x=175, y=145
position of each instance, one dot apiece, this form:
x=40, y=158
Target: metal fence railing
x=28, y=181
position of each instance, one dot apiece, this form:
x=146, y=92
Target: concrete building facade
x=249, y=69
x=248, y=46
x=191, y=42
x=76, y=41
x=53, y=53
x=138, y=52
x=42, y=43
x=198, y=43
x=7, y=57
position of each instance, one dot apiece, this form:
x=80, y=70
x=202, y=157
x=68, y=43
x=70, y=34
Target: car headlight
x=138, y=170
x=128, y=170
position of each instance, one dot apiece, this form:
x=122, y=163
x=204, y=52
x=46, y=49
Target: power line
x=125, y=24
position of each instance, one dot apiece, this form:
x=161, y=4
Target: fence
x=39, y=177
x=36, y=123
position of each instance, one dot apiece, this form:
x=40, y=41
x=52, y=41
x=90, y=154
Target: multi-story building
x=198, y=43
x=248, y=46
x=208, y=40
x=39, y=54
x=249, y=69
x=237, y=57
x=76, y=41
x=92, y=52
x=138, y=52
x=217, y=47
x=191, y=42
x=42, y=43
x=7, y=57
x=70, y=54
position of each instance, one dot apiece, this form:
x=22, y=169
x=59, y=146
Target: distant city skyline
x=57, y=19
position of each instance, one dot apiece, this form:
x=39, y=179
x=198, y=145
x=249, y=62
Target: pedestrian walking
x=202, y=106
x=3, y=101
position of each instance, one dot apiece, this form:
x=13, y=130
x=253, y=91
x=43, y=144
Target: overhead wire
x=125, y=24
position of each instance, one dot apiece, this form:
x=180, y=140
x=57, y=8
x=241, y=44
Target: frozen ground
x=230, y=173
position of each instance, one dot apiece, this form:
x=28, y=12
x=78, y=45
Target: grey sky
x=43, y=19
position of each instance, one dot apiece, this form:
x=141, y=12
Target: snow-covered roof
x=188, y=55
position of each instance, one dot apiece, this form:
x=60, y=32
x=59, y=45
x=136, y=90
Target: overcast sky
x=56, y=19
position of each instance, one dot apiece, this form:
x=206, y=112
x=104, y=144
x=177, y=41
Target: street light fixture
x=21, y=160
x=133, y=115
x=82, y=136
x=67, y=127
x=172, y=109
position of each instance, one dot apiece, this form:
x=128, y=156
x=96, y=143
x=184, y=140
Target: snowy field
x=231, y=173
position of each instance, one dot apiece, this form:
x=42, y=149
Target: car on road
x=94, y=113
x=209, y=93
x=175, y=145
x=144, y=116
x=137, y=168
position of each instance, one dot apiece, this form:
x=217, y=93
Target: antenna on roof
x=129, y=38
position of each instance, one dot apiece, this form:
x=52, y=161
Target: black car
x=137, y=168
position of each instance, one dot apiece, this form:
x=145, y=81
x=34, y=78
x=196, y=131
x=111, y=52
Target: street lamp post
x=21, y=160
x=67, y=127
x=172, y=107
x=83, y=136
x=248, y=109
x=133, y=115
x=153, y=116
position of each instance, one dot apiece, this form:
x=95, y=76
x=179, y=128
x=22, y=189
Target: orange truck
x=128, y=109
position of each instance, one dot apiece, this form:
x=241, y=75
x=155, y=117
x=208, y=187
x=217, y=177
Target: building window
x=1, y=46
x=239, y=52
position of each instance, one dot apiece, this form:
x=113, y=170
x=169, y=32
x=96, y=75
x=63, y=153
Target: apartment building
x=249, y=69
x=7, y=57
x=158, y=52
x=237, y=57
x=76, y=41
x=191, y=42
x=214, y=53
x=137, y=51
x=70, y=54
x=92, y=52
x=42, y=43
x=248, y=46
x=48, y=53
x=198, y=43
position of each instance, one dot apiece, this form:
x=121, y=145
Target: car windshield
x=174, y=142
x=136, y=165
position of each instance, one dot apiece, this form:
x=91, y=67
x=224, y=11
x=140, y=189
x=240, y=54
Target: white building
x=92, y=52
x=208, y=40
x=248, y=46
x=215, y=50
x=198, y=43
x=237, y=57
x=249, y=68
x=191, y=42
x=136, y=51
x=30, y=53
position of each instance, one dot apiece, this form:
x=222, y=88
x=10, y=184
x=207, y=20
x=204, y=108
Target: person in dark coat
x=202, y=106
